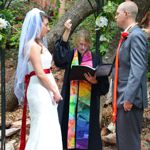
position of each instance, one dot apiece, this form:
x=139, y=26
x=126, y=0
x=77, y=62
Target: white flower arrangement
x=4, y=31
x=3, y=24
x=106, y=25
x=101, y=21
x=9, y=35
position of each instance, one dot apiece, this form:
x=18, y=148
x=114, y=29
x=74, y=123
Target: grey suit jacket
x=132, y=82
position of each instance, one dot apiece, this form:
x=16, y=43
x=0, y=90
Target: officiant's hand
x=90, y=78
x=67, y=25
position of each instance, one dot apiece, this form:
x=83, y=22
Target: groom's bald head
x=130, y=7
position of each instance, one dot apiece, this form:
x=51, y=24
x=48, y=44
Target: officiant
x=79, y=110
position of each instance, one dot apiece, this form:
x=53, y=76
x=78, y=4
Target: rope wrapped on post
x=3, y=99
x=100, y=4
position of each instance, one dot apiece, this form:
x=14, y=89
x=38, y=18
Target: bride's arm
x=36, y=62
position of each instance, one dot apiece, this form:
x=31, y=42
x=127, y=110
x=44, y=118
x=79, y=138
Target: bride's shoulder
x=35, y=47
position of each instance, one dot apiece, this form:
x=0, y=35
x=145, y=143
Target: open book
x=77, y=72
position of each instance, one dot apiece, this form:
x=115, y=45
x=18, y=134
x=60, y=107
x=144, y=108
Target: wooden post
x=3, y=98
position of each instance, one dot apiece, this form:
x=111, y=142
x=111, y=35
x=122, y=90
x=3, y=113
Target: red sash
x=23, y=127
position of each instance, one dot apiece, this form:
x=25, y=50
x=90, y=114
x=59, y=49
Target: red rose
x=124, y=34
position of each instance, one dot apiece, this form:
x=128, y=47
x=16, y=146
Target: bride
x=35, y=82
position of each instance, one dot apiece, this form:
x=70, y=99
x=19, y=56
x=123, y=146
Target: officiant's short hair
x=82, y=34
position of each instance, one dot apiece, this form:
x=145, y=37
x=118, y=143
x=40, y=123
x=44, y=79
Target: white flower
x=101, y=21
x=3, y=23
x=103, y=38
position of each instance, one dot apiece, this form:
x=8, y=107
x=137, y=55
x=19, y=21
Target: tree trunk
x=11, y=100
x=77, y=13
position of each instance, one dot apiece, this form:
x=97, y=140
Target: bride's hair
x=31, y=28
x=37, y=39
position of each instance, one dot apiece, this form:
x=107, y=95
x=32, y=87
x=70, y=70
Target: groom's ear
x=127, y=13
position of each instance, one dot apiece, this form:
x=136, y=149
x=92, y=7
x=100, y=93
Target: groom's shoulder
x=138, y=32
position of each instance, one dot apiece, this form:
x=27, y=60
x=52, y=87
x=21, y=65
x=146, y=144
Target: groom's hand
x=127, y=105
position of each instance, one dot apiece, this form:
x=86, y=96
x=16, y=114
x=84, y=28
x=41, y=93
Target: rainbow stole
x=79, y=107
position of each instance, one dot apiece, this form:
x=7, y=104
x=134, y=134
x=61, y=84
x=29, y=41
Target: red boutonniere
x=124, y=34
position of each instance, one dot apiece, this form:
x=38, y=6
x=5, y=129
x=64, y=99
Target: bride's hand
x=57, y=97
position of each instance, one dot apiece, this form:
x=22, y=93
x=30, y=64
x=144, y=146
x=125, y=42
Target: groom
x=131, y=90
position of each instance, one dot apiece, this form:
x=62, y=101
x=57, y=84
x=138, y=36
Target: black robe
x=63, y=57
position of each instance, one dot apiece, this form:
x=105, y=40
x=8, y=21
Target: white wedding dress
x=45, y=133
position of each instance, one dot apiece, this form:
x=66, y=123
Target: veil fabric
x=31, y=28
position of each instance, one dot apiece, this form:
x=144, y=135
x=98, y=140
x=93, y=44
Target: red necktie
x=114, y=115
